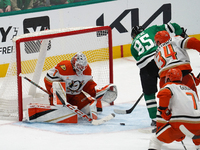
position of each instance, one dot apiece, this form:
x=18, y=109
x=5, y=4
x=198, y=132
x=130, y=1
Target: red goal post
x=44, y=49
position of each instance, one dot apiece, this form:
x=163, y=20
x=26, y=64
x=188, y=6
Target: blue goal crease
x=138, y=119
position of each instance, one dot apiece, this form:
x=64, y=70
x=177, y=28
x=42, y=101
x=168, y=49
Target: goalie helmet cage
x=35, y=53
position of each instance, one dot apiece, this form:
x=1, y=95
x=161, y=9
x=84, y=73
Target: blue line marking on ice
x=138, y=119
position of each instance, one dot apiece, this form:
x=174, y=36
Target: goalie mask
x=79, y=62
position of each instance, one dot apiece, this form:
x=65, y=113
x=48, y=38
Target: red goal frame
x=54, y=35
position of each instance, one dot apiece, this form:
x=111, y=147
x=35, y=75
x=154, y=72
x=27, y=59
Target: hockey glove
x=165, y=113
x=184, y=34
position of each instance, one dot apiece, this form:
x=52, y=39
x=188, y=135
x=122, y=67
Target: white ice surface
x=84, y=136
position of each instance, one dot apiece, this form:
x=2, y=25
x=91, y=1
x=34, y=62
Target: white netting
x=93, y=44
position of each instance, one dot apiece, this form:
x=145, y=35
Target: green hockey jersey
x=143, y=46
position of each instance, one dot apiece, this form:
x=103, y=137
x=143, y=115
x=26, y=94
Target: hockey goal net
x=35, y=53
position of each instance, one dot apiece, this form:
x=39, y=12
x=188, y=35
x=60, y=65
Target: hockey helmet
x=173, y=74
x=79, y=62
x=136, y=30
x=161, y=37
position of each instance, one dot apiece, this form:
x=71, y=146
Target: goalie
x=77, y=76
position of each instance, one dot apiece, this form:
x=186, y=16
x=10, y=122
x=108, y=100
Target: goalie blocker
x=59, y=113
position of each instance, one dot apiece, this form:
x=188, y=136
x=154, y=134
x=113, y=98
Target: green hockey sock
x=151, y=105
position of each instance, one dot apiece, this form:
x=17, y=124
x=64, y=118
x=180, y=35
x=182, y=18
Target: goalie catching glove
x=107, y=94
x=165, y=113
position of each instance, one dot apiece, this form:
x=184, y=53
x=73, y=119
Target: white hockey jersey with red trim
x=63, y=71
x=172, y=54
x=183, y=103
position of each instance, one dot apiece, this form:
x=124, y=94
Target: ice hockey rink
x=134, y=135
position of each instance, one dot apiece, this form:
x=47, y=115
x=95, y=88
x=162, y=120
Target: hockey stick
x=183, y=145
x=119, y=111
x=185, y=131
x=198, y=75
x=83, y=115
x=34, y=84
x=75, y=110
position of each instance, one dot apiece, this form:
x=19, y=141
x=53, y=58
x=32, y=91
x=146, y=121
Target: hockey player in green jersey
x=143, y=49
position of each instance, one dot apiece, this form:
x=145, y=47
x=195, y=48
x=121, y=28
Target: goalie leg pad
x=91, y=110
x=61, y=89
x=86, y=109
x=51, y=114
x=99, y=105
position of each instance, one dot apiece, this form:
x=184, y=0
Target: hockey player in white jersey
x=143, y=50
x=171, y=53
x=178, y=105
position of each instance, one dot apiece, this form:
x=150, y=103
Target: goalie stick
x=72, y=108
x=198, y=75
x=128, y=111
x=183, y=145
x=83, y=115
x=34, y=84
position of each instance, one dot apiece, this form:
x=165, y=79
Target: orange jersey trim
x=181, y=67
